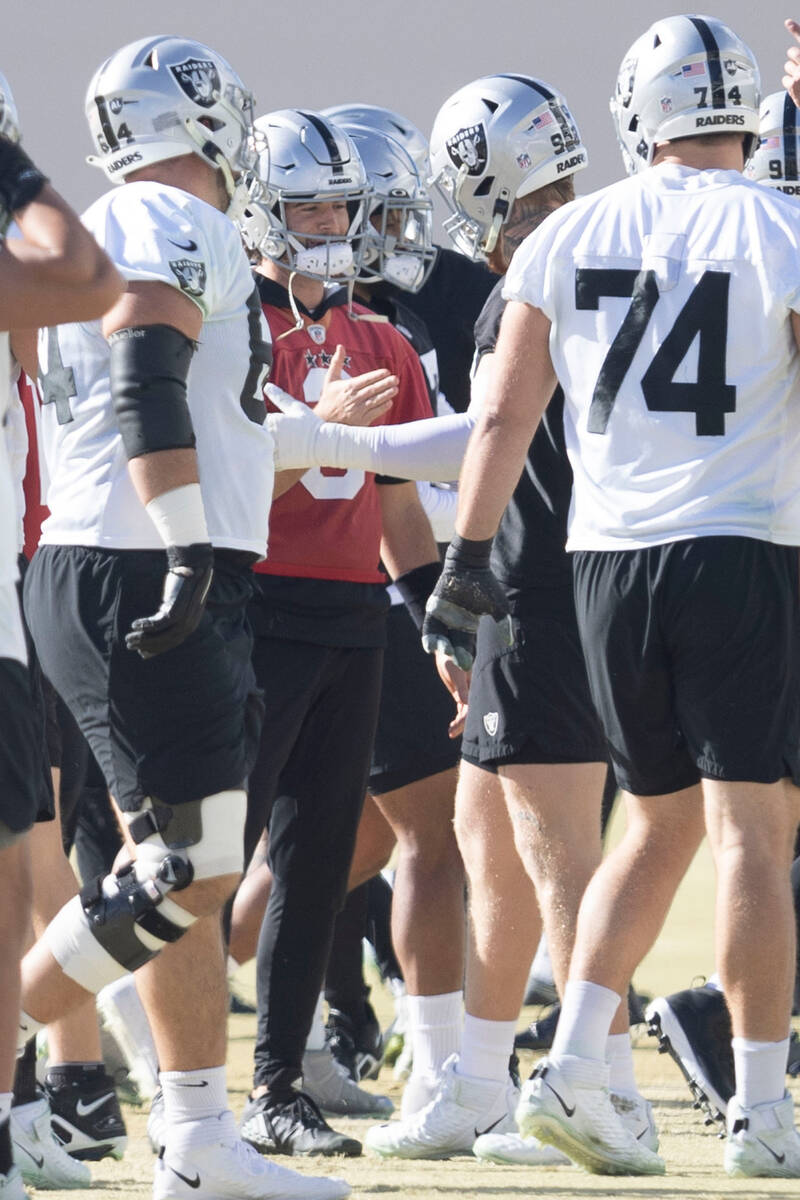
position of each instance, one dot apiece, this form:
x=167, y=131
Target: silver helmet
x=9, y=117
x=498, y=138
x=385, y=120
x=165, y=96
x=775, y=161
x=398, y=243
x=685, y=77
x=310, y=160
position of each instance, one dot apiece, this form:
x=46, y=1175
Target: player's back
x=670, y=295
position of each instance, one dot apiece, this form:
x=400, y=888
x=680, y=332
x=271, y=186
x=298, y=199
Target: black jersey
x=413, y=329
x=529, y=547
x=449, y=303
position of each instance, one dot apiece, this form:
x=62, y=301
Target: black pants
x=308, y=788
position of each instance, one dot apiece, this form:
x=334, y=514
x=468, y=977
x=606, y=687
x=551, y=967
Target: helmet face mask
x=9, y=117
x=776, y=159
x=163, y=97
x=685, y=77
x=310, y=162
x=494, y=140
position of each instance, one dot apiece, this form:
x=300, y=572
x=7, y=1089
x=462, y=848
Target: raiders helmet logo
x=491, y=720
x=625, y=82
x=467, y=148
x=190, y=275
x=199, y=79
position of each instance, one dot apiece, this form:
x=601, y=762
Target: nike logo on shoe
x=489, y=1128
x=779, y=1158
x=570, y=1112
x=39, y=1162
x=192, y=1183
x=190, y=245
x=83, y=1110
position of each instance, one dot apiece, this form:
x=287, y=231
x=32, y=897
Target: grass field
x=693, y=1153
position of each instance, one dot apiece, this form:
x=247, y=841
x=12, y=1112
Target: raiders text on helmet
x=775, y=161
x=162, y=97
x=498, y=138
x=310, y=160
x=686, y=76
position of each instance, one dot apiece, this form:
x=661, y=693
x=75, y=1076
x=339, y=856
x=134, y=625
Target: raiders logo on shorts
x=199, y=79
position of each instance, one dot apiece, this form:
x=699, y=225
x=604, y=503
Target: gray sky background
x=407, y=54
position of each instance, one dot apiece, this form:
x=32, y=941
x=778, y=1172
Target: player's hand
x=457, y=683
x=791, y=68
x=358, y=401
x=467, y=590
x=190, y=570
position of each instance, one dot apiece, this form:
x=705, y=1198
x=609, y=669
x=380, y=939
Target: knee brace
x=120, y=922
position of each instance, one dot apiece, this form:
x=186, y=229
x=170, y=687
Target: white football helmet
x=498, y=138
x=398, y=242
x=775, y=161
x=685, y=77
x=372, y=116
x=9, y=117
x=165, y=96
x=310, y=160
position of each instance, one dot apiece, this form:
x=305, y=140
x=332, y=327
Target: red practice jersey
x=328, y=526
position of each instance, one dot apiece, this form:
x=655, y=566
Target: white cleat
x=636, y=1114
x=762, y=1141
x=11, y=1186
x=513, y=1148
x=568, y=1105
x=463, y=1110
x=44, y=1163
x=328, y=1084
x=208, y=1163
x=421, y=1087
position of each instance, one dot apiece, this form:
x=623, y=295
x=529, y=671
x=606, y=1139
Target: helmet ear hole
x=485, y=186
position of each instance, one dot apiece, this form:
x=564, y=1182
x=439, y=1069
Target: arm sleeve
x=441, y=505
x=432, y=449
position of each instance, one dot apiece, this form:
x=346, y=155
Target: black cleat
x=694, y=1028
x=86, y=1118
x=292, y=1124
x=793, y=1061
x=356, y=1045
x=539, y=1034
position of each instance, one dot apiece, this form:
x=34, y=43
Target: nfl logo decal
x=316, y=333
x=490, y=723
x=523, y=161
x=666, y=104
x=198, y=78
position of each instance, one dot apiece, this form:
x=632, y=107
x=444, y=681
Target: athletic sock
x=486, y=1047
x=434, y=1025
x=194, y=1095
x=316, y=1034
x=760, y=1069
x=619, y=1056
x=587, y=1010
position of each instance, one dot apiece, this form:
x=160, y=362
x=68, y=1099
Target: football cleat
x=157, y=1122
x=636, y=1114
x=463, y=1110
x=568, y=1105
x=694, y=1028
x=11, y=1186
x=358, y=1047
x=86, y=1117
x=330, y=1087
x=511, y=1148
x=41, y=1159
x=209, y=1161
x=293, y=1125
x=762, y=1141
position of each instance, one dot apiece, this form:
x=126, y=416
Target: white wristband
x=179, y=516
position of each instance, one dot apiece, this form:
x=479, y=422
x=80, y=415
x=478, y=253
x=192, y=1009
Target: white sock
x=542, y=967
x=194, y=1095
x=434, y=1026
x=715, y=982
x=6, y=1100
x=231, y=967
x=760, y=1070
x=587, y=1010
x=619, y=1056
x=486, y=1047
x=316, y=1034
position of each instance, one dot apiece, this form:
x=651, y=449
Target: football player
x=136, y=596
x=667, y=306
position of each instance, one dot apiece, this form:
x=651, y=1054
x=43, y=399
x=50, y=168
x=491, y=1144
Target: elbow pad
x=149, y=368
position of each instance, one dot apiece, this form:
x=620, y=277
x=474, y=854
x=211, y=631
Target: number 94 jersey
x=159, y=234
x=670, y=297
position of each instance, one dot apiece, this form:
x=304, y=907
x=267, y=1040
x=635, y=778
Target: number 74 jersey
x=158, y=234
x=670, y=297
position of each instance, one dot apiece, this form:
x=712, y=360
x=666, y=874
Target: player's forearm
x=163, y=471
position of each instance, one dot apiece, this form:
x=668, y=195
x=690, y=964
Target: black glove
x=186, y=583
x=20, y=180
x=467, y=590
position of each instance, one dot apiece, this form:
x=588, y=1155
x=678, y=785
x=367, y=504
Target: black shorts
x=416, y=709
x=178, y=727
x=692, y=653
x=530, y=702
x=20, y=748
x=45, y=804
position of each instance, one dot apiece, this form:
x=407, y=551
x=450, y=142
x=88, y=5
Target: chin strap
x=375, y=318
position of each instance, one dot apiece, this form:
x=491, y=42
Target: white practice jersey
x=670, y=297
x=155, y=233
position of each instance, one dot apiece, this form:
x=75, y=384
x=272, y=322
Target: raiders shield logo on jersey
x=491, y=721
x=198, y=77
x=190, y=275
x=467, y=148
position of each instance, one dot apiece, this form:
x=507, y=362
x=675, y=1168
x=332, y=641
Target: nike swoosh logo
x=83, y=1110
x=779, y=1158
x=38, y=1161
x=193, y=1183
x=203, y=1084
x=489, y=1128
x=190, y=245
x=569, y=1111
